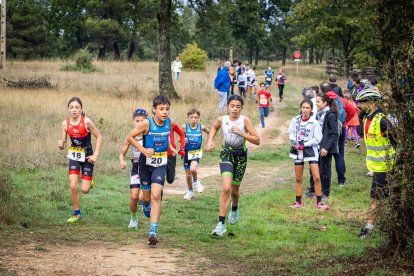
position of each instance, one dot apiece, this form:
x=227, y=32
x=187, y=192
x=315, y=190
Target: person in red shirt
x=172, y=160
x=264, y=98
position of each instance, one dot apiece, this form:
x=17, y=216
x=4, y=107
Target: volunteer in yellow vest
x=380, y=151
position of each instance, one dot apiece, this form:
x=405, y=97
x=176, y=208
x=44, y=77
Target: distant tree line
x=127, y=29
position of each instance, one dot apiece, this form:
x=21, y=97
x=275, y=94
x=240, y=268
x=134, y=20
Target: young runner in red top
x=80, y=153
x=264, y=98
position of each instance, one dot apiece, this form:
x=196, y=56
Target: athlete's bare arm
x=98, y=136
x=213, y=131
x=140, y=129
x=63, y=136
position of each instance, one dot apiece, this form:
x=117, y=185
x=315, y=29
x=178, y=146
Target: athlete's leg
x=74, y=194
x=225, y=194
x=235, y=194
x=299, y=179
x=314, y=168
x=193, y=169
x=261, y=110
x=156, y=190
x=134, y=195
x=189, y=179
x=266, y=111
x=87, y=174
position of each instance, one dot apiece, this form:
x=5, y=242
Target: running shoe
x=92, y=184
x=198, y=186
x=370, y=174
x=233, y=217
x=219, y=230
x=341, y=184
x=74, y=218
x=189, y=195
x=133, y=224
x=146, y=209
x=322, y=206
x=325, y=197
x=357, y=145
x=296, y=205
x=365, y=233
x=152, y=238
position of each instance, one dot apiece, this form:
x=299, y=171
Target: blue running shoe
x=152, y=238
x=146, y=209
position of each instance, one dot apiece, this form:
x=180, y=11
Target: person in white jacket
x=176, y=68
x=305, y=134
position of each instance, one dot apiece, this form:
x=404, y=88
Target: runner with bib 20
x=153, y=160
x=80, y=153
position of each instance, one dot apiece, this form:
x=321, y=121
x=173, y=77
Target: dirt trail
x=275, y=131
x=105, y=258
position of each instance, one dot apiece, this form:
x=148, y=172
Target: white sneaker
x=370, y=174
x=233, y=217
x=198, y=186
x=219, y=230
x=133, y=224
x=189, y=195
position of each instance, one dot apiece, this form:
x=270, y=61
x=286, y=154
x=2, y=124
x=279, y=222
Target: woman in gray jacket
x=305, y=135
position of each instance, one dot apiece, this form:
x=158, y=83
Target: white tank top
x=135, y=152
x=231, y=139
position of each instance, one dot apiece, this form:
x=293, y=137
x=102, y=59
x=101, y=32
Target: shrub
x=193, y=58
x=83, y=62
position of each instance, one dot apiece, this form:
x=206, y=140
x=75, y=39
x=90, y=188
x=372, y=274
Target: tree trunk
x=311, y=50
x=117, y=53
x=131, y=50
x=166, y=86
x=284, y=57
x=256, y=59
x=251, y=54
x=101, y=53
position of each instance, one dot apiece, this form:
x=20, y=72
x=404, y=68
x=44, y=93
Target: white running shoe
x=198, y=186
x=133, y=224
x=189, y=195
x=233, y=217
x=219, y=230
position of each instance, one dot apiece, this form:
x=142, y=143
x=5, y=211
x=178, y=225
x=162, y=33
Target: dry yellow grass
x=30, y=119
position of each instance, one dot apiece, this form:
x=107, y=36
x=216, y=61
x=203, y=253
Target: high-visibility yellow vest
x=380, y=152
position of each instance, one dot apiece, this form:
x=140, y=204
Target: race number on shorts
x=158, y=159
x=195, y=154
x=76, y=154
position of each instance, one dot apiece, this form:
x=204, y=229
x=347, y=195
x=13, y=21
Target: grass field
x=268, y=239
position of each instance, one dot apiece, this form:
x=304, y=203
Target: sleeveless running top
x=79, y=135
x=157, y=136
x=194, y=137
x=136, y=153
x=232, y=140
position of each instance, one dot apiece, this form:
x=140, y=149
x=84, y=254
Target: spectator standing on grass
x=380, y=152
x=222, y=85
x=352, y=122
x=334, y=87
x=281, y=78
x=176, y=68
x=242, y=82
x=233, y=80
x=305, y=135
x=81, y=156
x=328, y=120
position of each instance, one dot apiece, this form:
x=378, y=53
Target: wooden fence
x=337, y=67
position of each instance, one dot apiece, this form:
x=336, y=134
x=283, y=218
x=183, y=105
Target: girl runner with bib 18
x=233, y=158
x=80, y=153
x=153, y=160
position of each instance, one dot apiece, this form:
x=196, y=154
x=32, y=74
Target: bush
x=193, y=58
x=83, y=62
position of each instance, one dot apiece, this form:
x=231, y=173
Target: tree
x=396, y=28
x=164, y=51
x=28, y=32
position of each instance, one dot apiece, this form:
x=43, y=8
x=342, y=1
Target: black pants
x=340, y=158
x=325, y=172
x=281, y=86
x=171, y=163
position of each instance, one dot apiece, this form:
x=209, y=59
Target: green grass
x=269, y=239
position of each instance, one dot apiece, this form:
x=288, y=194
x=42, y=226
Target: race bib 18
x=76, y=154
x=195, y=154
x=158, y=159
